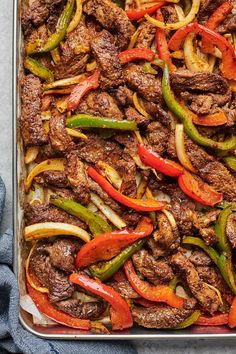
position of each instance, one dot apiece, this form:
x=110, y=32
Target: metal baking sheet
x=62, y=332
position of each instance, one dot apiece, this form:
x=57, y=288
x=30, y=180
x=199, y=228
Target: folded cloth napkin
x=13, y=338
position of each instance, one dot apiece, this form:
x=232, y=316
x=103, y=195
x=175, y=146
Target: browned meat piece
x=62, y=253
x=155, y=271
x=107, y=58
x=200, y=258
x=207, y=8
x=75, y=51
x=100, y=104
x=124, y=96
x=165, y=239
x=155, y=110
x=205, y=225
x=133, y=115
x=55, y=280
x=59, y=137
x=171, y=147
x=77, y=177
x=209, y=236
x=31, y=124
x=229, y=24
x=53, y=178
x=111, y=17
x=38, y=213
x=58, y=285
x=231, y=116
x=163, y=316
x=131, y=217
x=231, y=230
x=206, y=219
x=125, y=289
x=157, y=137
x=37, y=11
x=212, y=276
x=206, y=297
x=204, y=91
x=169, y=14
x=84, y=310
x=127, y=169
x=146, y=35
x=146, y=85
x=212, y=171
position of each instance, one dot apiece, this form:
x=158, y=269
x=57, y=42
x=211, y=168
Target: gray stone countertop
x=144, y=347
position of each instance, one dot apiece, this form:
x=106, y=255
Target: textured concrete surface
x=144, y=347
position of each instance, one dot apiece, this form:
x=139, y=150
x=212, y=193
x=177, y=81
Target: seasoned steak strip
x=37, y=213
x=231, y=229
x=59, y=137
x=145, y=84
x=163, y=316
x=107, y=58
x=146, y=35
x=113, y=18
x=84, y=310
x=212, y=171
x=206, y=297
x=155, y=271
x=77, y=177
x=31, y=124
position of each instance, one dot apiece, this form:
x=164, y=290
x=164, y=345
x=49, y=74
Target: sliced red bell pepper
x=215, y=19
x=162, y=45
x=158, y=293
x=228, y=64
x=136, y=14
x=107, y=246
x=137, y=204
x=232, y=314
x=216, y=320
x=83, y=87
x=145, y=302
x=121, y=317
x=136, y=54
x=198, y=190
x=43, y=304
x=213, y=120
x=152, y=159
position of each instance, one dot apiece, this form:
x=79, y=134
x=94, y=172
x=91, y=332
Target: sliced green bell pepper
x=54, y=39
x=196, y=241
x=36, y=68
x=185, y=118
x=230, y=161
x=97, y=225
x=88, y=121
x=107, y=269
x=220, y=229
x=189, y=321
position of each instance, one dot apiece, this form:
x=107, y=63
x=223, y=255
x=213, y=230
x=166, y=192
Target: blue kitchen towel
x=13, y=338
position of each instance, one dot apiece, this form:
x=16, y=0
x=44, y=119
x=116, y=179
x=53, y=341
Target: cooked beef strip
x=212, y=276
x=162, y=316
x=165, y=239
x=54, y=279
x=74, y=52
x=147, y=85
x=205, y=91
x=31, y=124
x=207, y=8
x=169, y=14
x=58, y=135
x=100, y=103
x=157, y=137
x=37, y=213
x=133, y=115
x=53, y=178
x=37, y=11
x=231, y=229
x=229, y=24
x=125, y=289
x=200, y=258
x=111, y=17
x=155, y=271
x=206, y=297
x=124, y=96
x=146, y=35
x=107, y=58
x=211, y=170
x=205, y=225
x=62, y=253
x=209, y=236
x=156, y=111
x=77, y=177
x=84, y=310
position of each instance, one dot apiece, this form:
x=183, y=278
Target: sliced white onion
x=110, y=214
x=181, y=292
x=29, y=306
x=180, y=148
x=110, y=173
